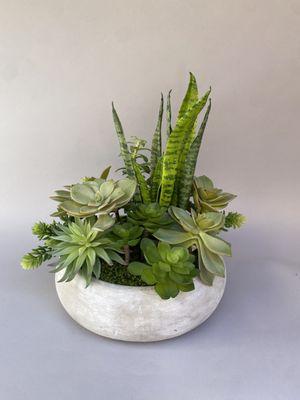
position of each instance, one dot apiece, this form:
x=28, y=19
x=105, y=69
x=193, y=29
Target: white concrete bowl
x=137, y=314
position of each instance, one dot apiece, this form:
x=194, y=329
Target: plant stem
x=127, y=254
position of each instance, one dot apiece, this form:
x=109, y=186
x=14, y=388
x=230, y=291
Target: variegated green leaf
x=174, y=148
x=143, y=186
x=123, y=144
x=169, y=114
x=156, y=180
x=156, y=141
x=186, y=180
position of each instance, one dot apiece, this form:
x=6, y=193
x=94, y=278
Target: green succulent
x=151, y=216
x=200, y=230
x=81, y=248
x=234, y=220
x=127, y=234
x=96, y=196
x=208, y=198
x=170, y=269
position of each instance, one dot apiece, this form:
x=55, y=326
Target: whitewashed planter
x=137, y=314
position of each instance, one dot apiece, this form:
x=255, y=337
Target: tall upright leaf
x=187, y=141
x=173, y=150
x=190, y=97
x=169, y=114
x=143, y=187
x=190, y=163
x=156, y=141
x=123, y=144
x=156, y=180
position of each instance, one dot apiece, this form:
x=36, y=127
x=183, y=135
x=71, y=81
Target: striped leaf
x=169, y=114
x=190, y=164
x=144, y=190
x=156, y=141
x=188, y=140
x=173, y=150
x=190, y=97
x=123, y=144
x=156, y=180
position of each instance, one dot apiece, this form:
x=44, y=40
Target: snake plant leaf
x=190, y=97
x=105, y=173
x=186, y=181
x=156, y=141
x=143, y=186
x=156, y=180
x=169, y=114
x=173, y=150
x=123, y=144
x=104, y=222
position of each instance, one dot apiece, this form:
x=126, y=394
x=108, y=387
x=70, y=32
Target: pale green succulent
x=170, y=269
x=207, y=197
x=81, y=248
x=95, y=197
x=200, y=230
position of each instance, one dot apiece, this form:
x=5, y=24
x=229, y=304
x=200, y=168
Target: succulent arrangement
x=159, y=224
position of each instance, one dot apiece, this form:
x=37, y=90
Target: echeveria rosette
x=126, y=234
x=151, y=216
x=95, y=197
x=170, y=269
x=200, y=230
x=207, y=198
x=81, y=248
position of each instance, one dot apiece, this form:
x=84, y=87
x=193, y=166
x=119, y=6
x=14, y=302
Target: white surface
x=137, y=314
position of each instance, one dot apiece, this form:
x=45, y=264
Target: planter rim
x=100, y=282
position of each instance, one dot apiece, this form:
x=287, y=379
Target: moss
x=119, y=275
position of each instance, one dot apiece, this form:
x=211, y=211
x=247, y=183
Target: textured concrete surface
x=137, y=314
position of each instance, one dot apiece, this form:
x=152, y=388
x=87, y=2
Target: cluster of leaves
x=151, y=226
x=170, y=269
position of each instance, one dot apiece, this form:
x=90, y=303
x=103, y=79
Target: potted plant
x=141, y=258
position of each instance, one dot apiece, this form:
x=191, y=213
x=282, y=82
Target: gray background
x=61, y=64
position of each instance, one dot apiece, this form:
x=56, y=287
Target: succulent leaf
x=200, y=231
x=151, y=216
x=209, y=198
x=169, y=269
x=98, y=197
